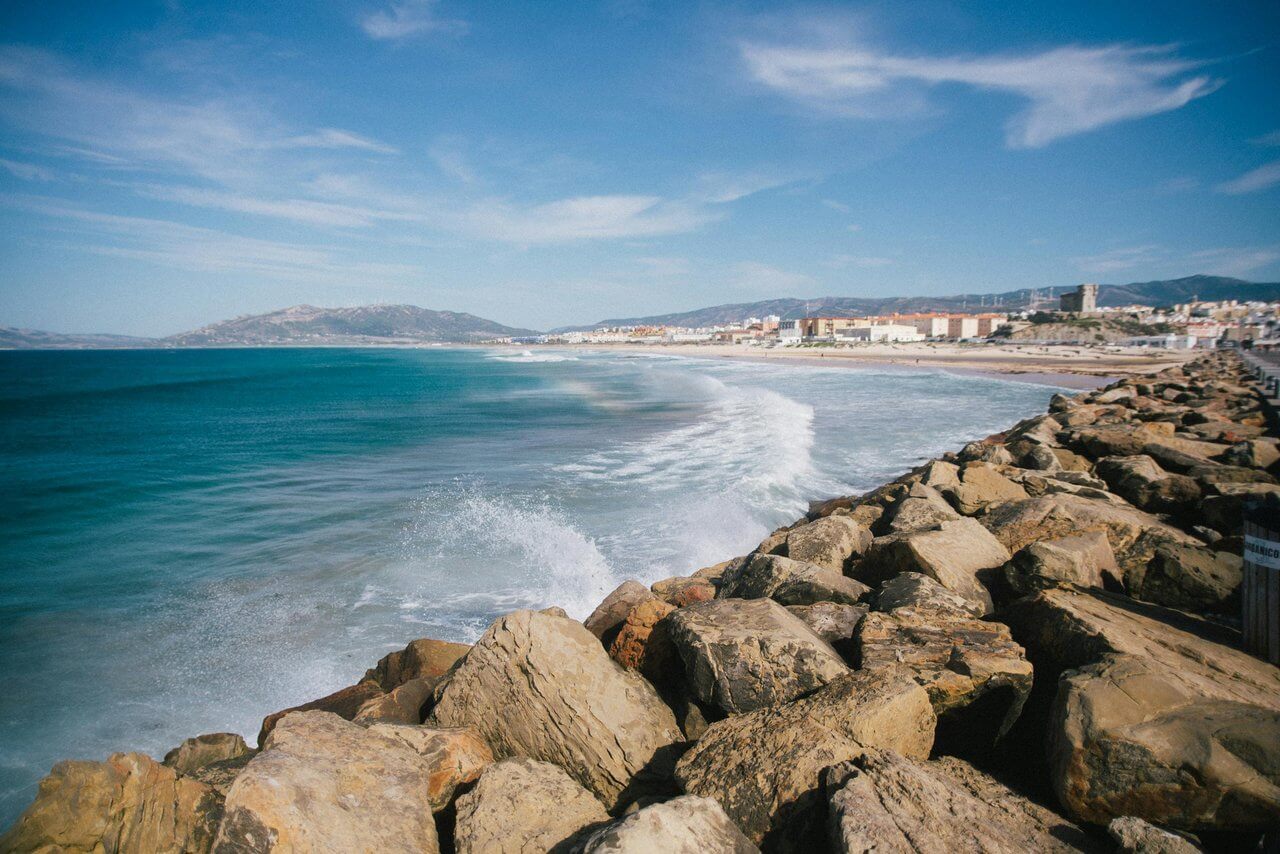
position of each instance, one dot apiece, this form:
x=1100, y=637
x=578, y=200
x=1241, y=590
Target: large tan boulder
x=685, y=825
x=422, y=658
x=521, y=806
x=643, y=643
x=1190, y=578
x=681, y=590
x=831, y=542
x=1156, y=716
x=882, y=801
x=128, y=803
x=324, y=784
x=788, y=581
x=921, y=509
x=953, y=554
x=1140, y=480
x=981, y=486
x=608, y=616
x=978, y=679
x=404, y=704
x=764, y=767
x=344, y=703
x=543, y=687
x=744, y=654
x=196, y=753
x=832, y=622
x=914, y=591
x=1083, y=560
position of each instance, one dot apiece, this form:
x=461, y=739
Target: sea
x=192, y=539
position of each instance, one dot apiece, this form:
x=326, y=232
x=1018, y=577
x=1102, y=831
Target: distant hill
x=34, y=339
x=1146, y=293
x=370, y=324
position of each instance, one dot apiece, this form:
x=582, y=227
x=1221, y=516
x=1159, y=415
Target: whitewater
x=199, y=538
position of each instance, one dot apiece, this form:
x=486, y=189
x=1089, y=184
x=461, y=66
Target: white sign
x=1262, y=552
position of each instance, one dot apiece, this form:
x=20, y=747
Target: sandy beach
x=1070, y=366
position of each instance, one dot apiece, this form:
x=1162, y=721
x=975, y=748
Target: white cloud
x=721, y=187
x=295, y=210
x=1116, y=260
x=408, y=18
x=336, y=138
x=582, y=218
x=1155, y=260
x=756, y=277
x=1070, y=90
x=1262, y=178
x=447, y=154
x=26, y=171
x=1233, y=261
x=837, y=206
x=866, y=262
x=1267, y=139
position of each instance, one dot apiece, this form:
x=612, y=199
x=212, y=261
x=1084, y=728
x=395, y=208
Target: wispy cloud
x=756, y=277
x=1234, y=261
x=306, y=211
x=1070, y=89
x=333, y=138
x=1267, y=139
x=1155, y=259
x=865, y=262
x=450, y=159
x=26, y=171
x=409, y=18
x=1116, y=260
x=583, y=218
x=723, y=187
x=837, y=206
x=1262, y=178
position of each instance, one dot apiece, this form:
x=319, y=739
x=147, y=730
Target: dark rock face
x=790, y=582
x=1190, y=578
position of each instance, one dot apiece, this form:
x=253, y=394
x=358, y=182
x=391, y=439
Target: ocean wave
x=530, y=356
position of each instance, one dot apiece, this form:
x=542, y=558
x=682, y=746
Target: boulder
x=917, y=592
x=976, y=676
x=745, y=654
x=830, y=543
x=1135, y=836
x=520, y=806
x=923, y=508
x=643, y=643
x=324, y=784
x=128, y=803
x=981, y=486
x=1040, y=430
x=345, y=704
x=788, y=581
x=609, y=615
x=405, y=704
x=1190, y=578
x=1156, y=716
x=987, y=452
x=544, y=688
x=954, y=555
x=1040, y=458
x=680, y=591
x=939, y=473
x=1225, y=512
x=1085, y=560
x=424, y=657
x=832, y=622
x=1253, y=453
x=685, y=825
x=764, y=767
x=195, y=753
x=881, y=801
x=1141, y=481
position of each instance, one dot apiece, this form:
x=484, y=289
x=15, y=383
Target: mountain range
x=303, y=325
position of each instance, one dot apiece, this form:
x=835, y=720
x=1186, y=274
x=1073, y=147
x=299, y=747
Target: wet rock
x=425, y=657
x=1084, y=559
x=520, y=806
x=406, y=704
x=917, y=592
x=544, y=688
x=882, y=801
x=685, y=825
x=1190, y=578
x=195, y=753
x=981, y=486
x=128, y=803
x=830, y=543
x=788, y=581
x=345, y=704
x=953, y=555
x=744, y=654
x=609, y=615
x=764, y=767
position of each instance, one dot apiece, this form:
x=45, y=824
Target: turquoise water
x=193, y=539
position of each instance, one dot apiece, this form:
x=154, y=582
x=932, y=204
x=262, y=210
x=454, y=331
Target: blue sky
x=165, y=165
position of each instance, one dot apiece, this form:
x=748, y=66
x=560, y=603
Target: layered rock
x=345, y=703
x=830, y=543
x=764, y=767
x=745, y=654
x=204, y=750
x=1083, y=560
x=520, y=806
x=685, y=825
x=609, y=615
x=788, y=581
x=405, y=704
x=422, y=658
x=981, y=486
x=543, y=687
x=953, y=554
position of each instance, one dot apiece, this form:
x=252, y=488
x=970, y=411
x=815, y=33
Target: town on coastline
x=1076, y=319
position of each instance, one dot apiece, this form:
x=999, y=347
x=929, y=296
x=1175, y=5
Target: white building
x=789, y=330
x=881, y=332
x=933, y=326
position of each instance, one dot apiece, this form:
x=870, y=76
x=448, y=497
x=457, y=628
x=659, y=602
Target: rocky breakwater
x=1028, y=645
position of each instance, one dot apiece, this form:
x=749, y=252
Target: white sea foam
x=530, y=356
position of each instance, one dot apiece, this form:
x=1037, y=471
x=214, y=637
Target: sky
x=164, y=165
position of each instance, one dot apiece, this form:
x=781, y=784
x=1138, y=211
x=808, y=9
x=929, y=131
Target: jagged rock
x=644, y=644
x=1140, y=480
x=520, y=806
x=1191, y=578
x=923, y=508
x=939, y=473
x=882, y=801
x=1040, y=430
x=764, y=767
x=829, y=542
x=544, y=688
x=680, y=591
x=1040, y=458
x=1113, y=441
x=405, y=704
x=1157, y=718
x=1134, y=535
x=324, y=784
x=914, y=591
x=833, y=622
x=744, y=654
x=345, y=704
x=714, y=573
x=976, y=676
x=775, y=543
x=1071, y=461
x=953, y=555
x=980, y=487
x=196, y=753
x=986, y=452
x=609, y=615
x=424, y=657
x=128, y=803
x=790, y=582
x=1085, y=560
x=1253, y=453
x=1225, y=512
x=684, y=825
x=1135, y=836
